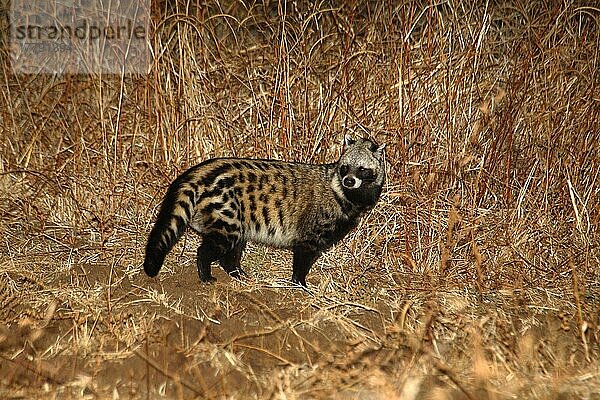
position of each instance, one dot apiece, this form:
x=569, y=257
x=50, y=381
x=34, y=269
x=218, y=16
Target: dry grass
x=476, y=276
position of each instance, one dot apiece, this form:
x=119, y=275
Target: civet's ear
x=379, y=151
x=348, y=141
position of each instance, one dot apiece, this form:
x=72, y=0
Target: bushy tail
x=156, y=251
x=173, y=217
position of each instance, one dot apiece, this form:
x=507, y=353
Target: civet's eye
x=344, y=170
x=366, y=173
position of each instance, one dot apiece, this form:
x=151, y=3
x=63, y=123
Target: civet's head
x=361, y=171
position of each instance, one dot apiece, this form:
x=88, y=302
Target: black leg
x=205, y=256
x=304, y=257
x=213, y=247
x=230, y=261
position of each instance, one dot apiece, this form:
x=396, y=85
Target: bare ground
x=83, y=321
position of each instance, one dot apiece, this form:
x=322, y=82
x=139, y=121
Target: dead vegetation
x=476, y=277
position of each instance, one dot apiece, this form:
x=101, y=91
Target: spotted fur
x=303, y=207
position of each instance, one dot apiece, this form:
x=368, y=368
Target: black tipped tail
x=153, y=261
x=155, y=252
x=161, y=240
x=152, y=266
x=171, y=222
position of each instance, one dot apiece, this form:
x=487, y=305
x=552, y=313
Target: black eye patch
x=344, y=170
x=366, y=174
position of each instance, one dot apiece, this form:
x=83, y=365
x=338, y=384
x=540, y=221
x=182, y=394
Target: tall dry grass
x=491, y=112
